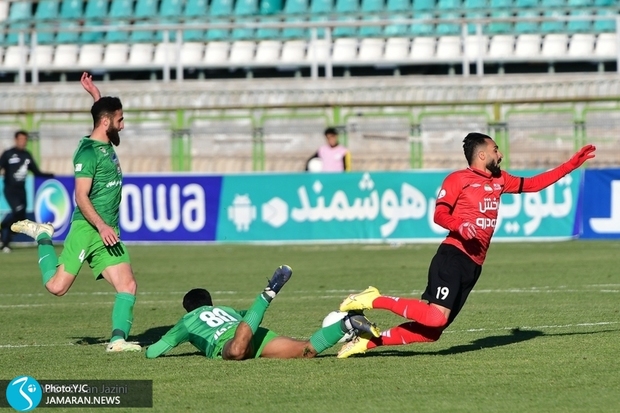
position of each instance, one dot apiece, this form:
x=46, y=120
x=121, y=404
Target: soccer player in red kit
x=467, y=206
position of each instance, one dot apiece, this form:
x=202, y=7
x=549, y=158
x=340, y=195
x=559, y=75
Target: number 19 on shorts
x=442, y=293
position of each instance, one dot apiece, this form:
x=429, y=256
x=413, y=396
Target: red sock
x=406, y=333
x=415, y=310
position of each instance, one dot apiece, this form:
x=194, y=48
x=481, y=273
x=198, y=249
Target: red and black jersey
x=473, y=196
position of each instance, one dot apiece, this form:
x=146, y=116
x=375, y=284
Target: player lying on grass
x=223, y=332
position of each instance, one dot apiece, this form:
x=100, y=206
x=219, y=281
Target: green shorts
x=83, y=242
x=258, y=343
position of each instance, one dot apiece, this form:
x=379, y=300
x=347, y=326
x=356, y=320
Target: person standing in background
x=331, y=157
x=16, y=162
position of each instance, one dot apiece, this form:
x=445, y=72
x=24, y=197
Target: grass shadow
x=145, y=338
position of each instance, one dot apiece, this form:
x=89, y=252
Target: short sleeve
x=450, y=191
x=85, y=163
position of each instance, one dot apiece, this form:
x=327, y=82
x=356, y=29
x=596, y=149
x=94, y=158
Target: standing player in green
x=221, y=332
x=94, y=233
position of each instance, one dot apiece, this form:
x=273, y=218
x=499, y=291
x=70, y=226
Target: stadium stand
x=405, y=33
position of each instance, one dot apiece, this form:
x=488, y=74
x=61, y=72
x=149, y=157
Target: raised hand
x=87, y=83
x=585, y=153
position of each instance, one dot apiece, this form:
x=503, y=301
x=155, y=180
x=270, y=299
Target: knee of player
x=58, y=291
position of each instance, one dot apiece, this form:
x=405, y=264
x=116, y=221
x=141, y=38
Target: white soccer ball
x=315, y=165
x=335, y=317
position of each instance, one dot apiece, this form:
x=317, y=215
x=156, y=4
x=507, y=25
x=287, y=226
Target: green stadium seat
x=398, y=10
x=499, y=9
x=219, y=8
x=451, y=6
x=244, y=8
x=605, y=2
x=580, y=3
x=295, y=8
x=70, y=10
x=169, y=13
x=475, y=4
x=605, y=26
x=96, y=11
x=319, y=10
x=269, y=8
x=145, y=9
x=20, y=14
x=422, y=29
x=119, y=9
x=552, y=3
x=46, y=12
x=195, y=11
x=346, y=11
x=579, y=26
x=553, y=26
x=422, y=5
x=523, y=4
x=523, y=27
x=371, y=10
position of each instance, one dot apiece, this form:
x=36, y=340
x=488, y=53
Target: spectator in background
x=331, y=157
x=16, y=162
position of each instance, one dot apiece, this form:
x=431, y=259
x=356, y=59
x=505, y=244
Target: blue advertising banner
x=600, y=198
x=154, y=208
x=376, y=206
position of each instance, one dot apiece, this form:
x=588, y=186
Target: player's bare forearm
x=88, y=210
x=88, y=85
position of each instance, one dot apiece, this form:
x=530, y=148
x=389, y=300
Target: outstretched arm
x=539, y=182
x=89, y=86
x=175, y=336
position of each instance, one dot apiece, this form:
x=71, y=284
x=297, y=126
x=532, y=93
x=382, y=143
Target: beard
x=496, y=171
x=113, y=135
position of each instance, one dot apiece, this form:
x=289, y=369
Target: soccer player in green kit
x=94, y=233
x=223, y=332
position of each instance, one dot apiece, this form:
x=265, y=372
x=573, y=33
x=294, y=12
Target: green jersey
x=97, y=160
x=202, y=327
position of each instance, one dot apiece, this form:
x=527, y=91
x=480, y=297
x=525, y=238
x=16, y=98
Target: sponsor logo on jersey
x=52, y=204
x=488, y=188
x=442, y=193
x=78, y=167
x=497, y=187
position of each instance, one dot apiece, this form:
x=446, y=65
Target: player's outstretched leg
x=360, y=301
x=405, y=333
x=354, y=322
x=42, y=233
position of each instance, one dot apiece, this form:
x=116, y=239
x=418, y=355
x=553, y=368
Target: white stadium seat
x=4, y=10
x=581, y=46
x=502, y=46
x=191, y=53
x=216, y=53
x=345, y=50
x=320, y=52
x=268, y=52
x=242, y=52
x=91, y=56
x=554, y=45
x=396, y=49
x=474, y=46
x=422, y=49
x=606, y=45
x=66, y=56
x=13, y=57
x=528, y=46
x=115, y=55
x=293, y=52
x=449, y=48
x=42, y=56
x=141, y=54
x=166, y=53
x=371, y=50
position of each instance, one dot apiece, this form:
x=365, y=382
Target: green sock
x=47, y=257
x=254, y=316
x=122, y=315
x=327, y=337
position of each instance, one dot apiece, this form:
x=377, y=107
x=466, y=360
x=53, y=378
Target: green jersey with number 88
x=98, y=160
x=203, y=327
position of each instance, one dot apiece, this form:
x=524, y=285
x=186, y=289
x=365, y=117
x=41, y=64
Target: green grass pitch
x=540, y=332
